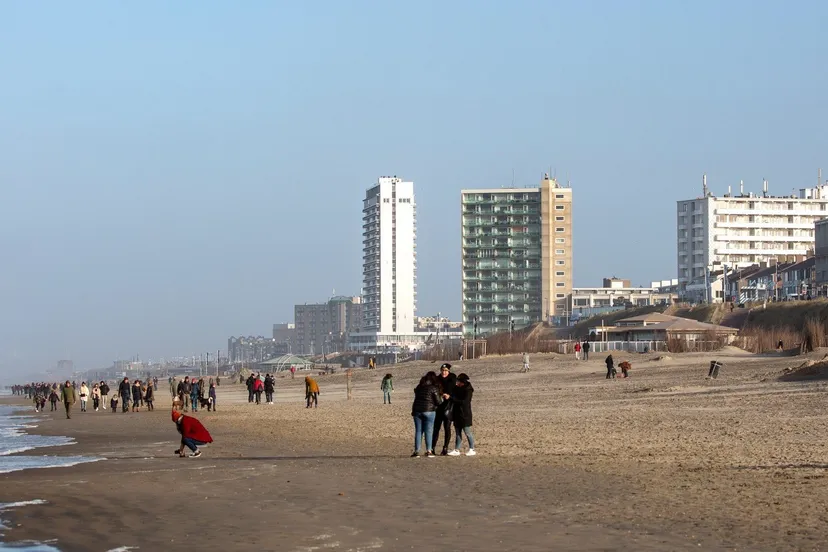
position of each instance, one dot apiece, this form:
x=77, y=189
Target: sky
x=174, y=173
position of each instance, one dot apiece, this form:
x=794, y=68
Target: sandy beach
x=664, y=460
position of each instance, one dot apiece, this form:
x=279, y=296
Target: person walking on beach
x=193, y=434
x=39, y=398
x=104, y=394
x=69, y=398
x=585, y=349
x=84, y=395
x=96, y=397
x=250, y=391
x=387, y=387
x=610, y=367
x=212, y=404
x=258, y=388
x=173, y=387
x=462, y=415
x=194, y=391
x=148, y=398
x=113, y=403
x=525, y=362
x=53, y=398
x=442, y=419
x=125, y=392
x=577, y=350
x=136, y=395
x=184, y=392
x=424, y=412
x=269, y=388
x=311, y=392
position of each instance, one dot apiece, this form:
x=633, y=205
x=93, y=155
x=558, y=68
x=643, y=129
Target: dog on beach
x=205, y=403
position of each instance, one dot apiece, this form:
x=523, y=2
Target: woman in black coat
x=423, y=410
x=461, y=399
x=610, y=367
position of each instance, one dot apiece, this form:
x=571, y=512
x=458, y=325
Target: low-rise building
x=617, y=294
x=661, y=327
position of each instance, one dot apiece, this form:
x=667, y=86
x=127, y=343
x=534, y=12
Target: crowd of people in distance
x=194, y=394
x=258, y=384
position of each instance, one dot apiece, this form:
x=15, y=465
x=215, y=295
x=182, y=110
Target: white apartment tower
x=745, y=229
x=389, y=264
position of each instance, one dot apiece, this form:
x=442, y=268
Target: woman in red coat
x=192, y=434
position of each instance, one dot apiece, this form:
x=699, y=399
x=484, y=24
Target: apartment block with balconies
x=745, y=229
x=516, y=255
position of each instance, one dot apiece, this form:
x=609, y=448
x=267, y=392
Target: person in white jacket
x=96, y=397
x=84, y=396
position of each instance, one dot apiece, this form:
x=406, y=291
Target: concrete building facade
x=516, y=255
x=821, y=257
x=745, y=229
x=325, y=327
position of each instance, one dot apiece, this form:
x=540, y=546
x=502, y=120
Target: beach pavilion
x=285, y=362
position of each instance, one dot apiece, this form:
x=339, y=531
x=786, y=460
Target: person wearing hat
x=193, y=433
x=462, y=415
x=443, y=418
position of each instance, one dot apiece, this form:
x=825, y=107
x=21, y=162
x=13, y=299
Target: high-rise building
x=389, y=257
x=741, y=230
x=517, y=256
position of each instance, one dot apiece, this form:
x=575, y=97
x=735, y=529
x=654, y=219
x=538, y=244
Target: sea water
x=14, y=421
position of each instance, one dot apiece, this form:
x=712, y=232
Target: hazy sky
x=174, y=173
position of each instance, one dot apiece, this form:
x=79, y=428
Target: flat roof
x=500, y=190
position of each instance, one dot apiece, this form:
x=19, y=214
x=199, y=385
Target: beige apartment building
x=517, y=256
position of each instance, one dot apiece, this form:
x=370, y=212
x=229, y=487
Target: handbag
x=448, y=409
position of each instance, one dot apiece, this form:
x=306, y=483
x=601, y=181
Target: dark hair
x=388, y=376
x=430, y=379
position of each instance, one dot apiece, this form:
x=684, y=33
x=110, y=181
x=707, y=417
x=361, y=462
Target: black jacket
x=462, y=411
x=268, y=384
x=426, y=399
x=125, y=389
x=448, y=383
x=148, y=395
x=104, y=389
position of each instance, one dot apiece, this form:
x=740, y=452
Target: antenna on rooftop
x=704, y=185
x=765, y=187
x=513, y=177
x=741, y=187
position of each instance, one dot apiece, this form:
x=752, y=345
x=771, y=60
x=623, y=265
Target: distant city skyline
x=173, y=176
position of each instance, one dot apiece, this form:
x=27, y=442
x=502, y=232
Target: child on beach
x=113, y=403
x=387, y=387
x=193, y=433
x=462, y=414
x=212, y=404
x=53, y=398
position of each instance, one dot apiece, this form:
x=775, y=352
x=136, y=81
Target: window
x=559, y=207
x=560, y=229
x=560, y=273
x=559, y=218
x=560, y=295
x=560, y=263
x=560, y=284
x=559, y=196
x=560, y=252
x=560, y=240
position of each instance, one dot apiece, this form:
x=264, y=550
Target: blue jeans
x=458, y=437
x=191, y=444
x=423, y=427
x=194, y=402
x=386, y=397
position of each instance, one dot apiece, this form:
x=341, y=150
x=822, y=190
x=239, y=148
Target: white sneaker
x=455, y=452
x=470, y=453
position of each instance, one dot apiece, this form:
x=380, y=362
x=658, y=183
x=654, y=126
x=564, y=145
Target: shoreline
x=662, y=461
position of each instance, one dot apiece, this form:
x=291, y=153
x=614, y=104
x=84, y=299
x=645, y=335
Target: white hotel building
x=745, y=229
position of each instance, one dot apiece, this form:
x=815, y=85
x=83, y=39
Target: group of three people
x=440, y=402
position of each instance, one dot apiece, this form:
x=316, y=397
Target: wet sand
x=664, y=460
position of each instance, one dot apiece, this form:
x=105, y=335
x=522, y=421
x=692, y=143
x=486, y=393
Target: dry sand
x=664, y=460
